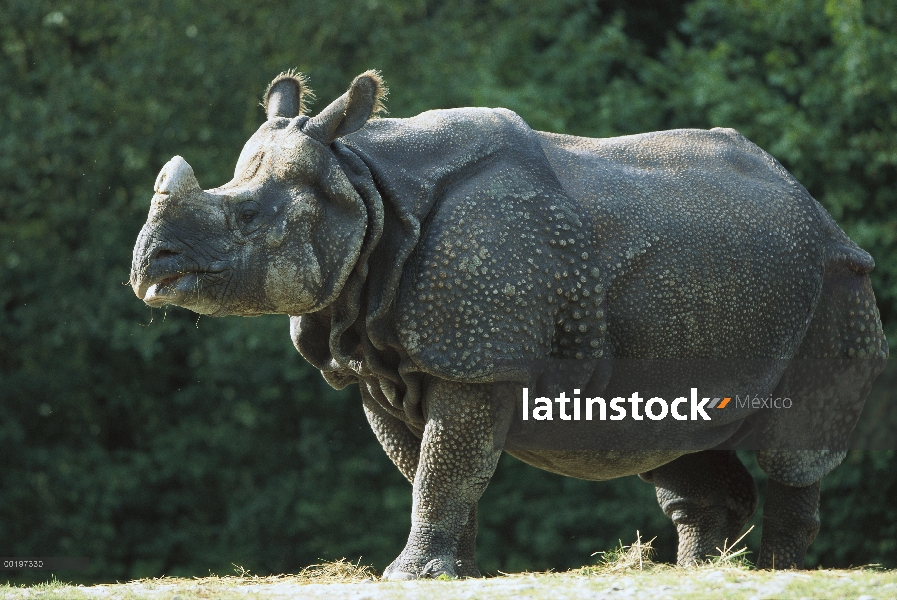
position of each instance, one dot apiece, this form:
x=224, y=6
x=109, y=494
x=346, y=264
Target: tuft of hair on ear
x=306, y=94
x=380, y=93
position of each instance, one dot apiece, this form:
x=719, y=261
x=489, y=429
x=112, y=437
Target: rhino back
x=524, y=245
x=715, y=250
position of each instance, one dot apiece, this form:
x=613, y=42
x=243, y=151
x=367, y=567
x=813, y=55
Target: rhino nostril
x=165, y=253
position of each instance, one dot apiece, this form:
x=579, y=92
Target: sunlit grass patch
x=626, y=571
x=636, y=556
x=337, y=571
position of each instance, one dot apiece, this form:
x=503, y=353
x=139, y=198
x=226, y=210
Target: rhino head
x=282, y=236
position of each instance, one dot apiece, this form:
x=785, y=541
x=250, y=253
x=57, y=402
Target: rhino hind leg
x=842, y=352
x=790, y=524
x=709, y=496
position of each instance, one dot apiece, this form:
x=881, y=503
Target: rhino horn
x=287, y=96
x=176, y=179
x=351, y=111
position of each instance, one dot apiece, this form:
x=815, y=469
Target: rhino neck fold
x=361, y=343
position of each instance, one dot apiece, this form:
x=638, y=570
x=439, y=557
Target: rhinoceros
x=414, y=256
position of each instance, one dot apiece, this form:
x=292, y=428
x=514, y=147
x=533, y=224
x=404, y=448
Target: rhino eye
x=247, y=212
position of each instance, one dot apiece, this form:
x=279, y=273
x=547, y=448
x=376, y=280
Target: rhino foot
x=467, y=568
x=407, y=567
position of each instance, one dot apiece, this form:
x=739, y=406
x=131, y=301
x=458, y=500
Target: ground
x=624, y=573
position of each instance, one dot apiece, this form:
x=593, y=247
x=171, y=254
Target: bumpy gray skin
x=414, y=255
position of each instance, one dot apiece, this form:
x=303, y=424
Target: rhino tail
x=850, y=257
x=841, y=251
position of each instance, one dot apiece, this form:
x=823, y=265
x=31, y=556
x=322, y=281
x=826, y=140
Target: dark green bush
x=158, y=443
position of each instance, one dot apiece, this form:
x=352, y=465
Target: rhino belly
x=595, y=465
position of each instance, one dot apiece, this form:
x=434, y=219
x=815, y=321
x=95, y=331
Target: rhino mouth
x=179, y=288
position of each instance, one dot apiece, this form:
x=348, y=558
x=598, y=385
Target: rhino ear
x=351, y=111
x=287, y=95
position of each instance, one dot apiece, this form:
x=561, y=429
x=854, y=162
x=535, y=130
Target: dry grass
x=627, y=571
x=635, y=557
x=338, y=571
x=731, y=555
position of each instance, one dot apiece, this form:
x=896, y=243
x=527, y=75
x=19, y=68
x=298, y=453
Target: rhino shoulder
x=482, y=286
x=504, y=262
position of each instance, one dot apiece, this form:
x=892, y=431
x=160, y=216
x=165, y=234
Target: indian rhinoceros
x=415, y=255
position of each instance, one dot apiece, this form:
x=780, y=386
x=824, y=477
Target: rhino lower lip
x=170, y=288
x=168, y=280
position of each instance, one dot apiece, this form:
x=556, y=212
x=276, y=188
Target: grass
x=626, y=558
x=627, y=571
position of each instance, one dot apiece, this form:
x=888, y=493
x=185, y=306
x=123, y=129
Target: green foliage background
x=156, y=443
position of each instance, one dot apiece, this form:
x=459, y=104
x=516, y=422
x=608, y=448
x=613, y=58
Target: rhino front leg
x=400, y=444
x=466, y=563
x=402, y=447
x=457, y=460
